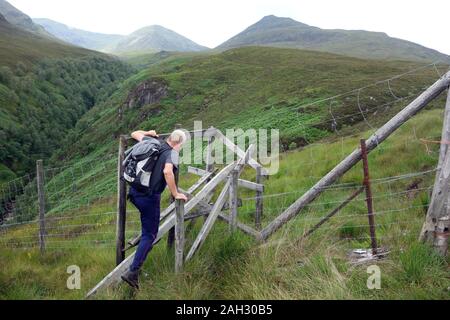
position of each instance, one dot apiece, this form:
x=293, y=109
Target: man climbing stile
x=147, y=201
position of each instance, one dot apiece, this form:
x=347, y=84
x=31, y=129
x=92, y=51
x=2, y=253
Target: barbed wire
x=353, y=92
x=105, y=245
x=351, y=115
x=383, y=180
x=350, y=185
x=63, y=180
x=376, y=83
x=112, y=232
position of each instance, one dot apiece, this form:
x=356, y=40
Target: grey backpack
x=140, y=161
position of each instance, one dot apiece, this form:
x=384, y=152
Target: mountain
x=18, y=44
x=46, y=85
x=78, y=37
x=20, y=19
x=21, y=40
x=285, y=32
x=155, y=38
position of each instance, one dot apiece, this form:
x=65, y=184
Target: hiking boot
x=131, y=277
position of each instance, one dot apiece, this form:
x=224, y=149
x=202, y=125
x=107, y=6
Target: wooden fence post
x=440, y=242
x=41, y=199
x=179, y=235
x=171, y=233
x=209, y=154
x=439, y=209
x=121, y=203
x=233, y=201
x=259, y=200
x=209, y=158
x=373, y=238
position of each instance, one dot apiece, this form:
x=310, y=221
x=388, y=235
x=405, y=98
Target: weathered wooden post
x=259, y=200
x=233, y=200
x=121, y=202
x=171, y=233
x=436, y=226
x=41, y=200
x=373, y=238
x=210, y=153
x=440, y=242
x=179, y=235
x=209, y=157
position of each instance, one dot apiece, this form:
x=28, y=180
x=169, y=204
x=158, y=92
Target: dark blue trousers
x=149, y=207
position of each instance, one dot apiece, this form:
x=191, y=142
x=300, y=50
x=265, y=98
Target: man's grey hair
x=177, y=136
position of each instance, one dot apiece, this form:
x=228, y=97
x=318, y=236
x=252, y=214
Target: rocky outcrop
x=148, y=92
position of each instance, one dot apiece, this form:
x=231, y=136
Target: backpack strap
x=164, y=147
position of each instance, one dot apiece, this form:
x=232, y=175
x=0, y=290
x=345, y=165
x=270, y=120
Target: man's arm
x=170, y=179
x=139, y=134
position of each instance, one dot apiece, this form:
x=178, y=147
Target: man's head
x=176, y=139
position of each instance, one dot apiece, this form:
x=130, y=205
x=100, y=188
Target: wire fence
x=98, y=229
x=81, y=197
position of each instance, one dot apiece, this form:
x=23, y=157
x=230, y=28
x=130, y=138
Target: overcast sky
x=211, y=22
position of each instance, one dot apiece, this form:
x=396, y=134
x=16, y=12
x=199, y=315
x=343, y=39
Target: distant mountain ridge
x=27, y=46
x=288, y=33
x=19, y=19
x=270, y=31
x=78, y=37
x=156, y=38
x=148, y=39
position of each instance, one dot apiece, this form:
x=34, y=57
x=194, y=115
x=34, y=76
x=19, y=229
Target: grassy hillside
x=144, y=60
x=251, y=87
x=248, y=88
x=234, y=266
x=288, y=33
x=17, y=44
x=45, y=87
